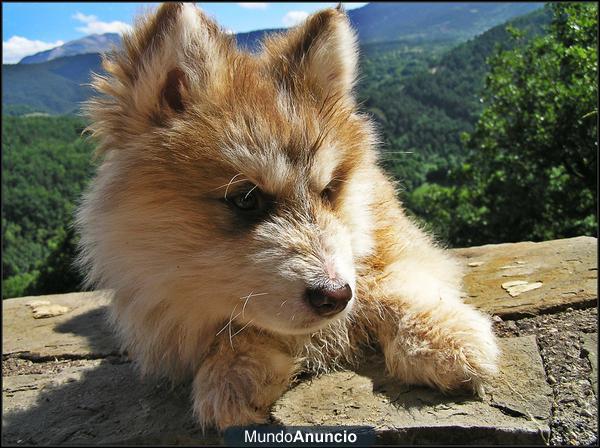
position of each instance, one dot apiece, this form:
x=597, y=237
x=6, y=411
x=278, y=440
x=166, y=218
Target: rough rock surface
x=561, y=340
x=64, y=380
x=590, y=348
x=567, y=270
x=104, y=401
x=515, y=410
x=80, y=332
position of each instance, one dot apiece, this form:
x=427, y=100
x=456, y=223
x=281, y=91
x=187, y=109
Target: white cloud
x=84, y=18
x=95, y=26
x=17, y=47
x=353, y=5
x=250, y=5
x=294, y=18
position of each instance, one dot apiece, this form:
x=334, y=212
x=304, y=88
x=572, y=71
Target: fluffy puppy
x=241, y=219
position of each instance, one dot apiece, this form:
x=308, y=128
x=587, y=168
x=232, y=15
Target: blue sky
x=28, y=28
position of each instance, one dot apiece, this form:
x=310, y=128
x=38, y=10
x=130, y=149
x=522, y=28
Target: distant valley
x=54, y=81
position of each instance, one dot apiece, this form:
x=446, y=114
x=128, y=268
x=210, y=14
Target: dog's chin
x=302, y=326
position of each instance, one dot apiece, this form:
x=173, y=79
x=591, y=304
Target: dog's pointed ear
x=321, y=53
x=167, y=56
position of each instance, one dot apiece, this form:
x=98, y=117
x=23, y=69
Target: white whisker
x=244, y=307
x=230, y=182
x=240, y=330
x=246, y=303
x=241, y=313
x=254, y=295
x=247, y=298
x=251, y=190
x=231, y=317
x=221, y=330
x=230, y=320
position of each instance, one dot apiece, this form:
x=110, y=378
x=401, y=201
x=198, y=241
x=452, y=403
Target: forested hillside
x=45, y=165
x=427, y=21
x=492, y=140
x=422, y=113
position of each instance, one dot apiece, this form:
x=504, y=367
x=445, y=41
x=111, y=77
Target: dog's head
x=233, y=184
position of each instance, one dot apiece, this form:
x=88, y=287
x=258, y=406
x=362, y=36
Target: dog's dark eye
x=249, y=205
x=328, y=194
x=247, y=201
x=331, y=191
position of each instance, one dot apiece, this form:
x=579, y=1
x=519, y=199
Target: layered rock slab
x=103, y=402
x=80, y=332
x=516, y=408
x=100, y=399
x=554, y=275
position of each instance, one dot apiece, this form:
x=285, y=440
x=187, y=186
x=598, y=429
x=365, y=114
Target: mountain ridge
x=94, y=43
x=374, y=22
x=58, y=86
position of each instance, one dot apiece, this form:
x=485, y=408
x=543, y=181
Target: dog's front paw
x=238, y=389
x=448, y=347
x=227, y=405
x=472, y=351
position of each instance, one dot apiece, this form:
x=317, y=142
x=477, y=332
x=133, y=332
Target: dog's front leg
x=429, y=336
x=240, y=379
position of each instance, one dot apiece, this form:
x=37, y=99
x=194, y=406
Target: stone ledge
x=98, y=398
x=567, y=270
x=516, y=408
x=81, y=332
x=104, y=403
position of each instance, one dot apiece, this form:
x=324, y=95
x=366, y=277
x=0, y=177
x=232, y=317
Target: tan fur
x=183, y=121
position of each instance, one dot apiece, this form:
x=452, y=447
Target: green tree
x=58, y=274
x=534, y=149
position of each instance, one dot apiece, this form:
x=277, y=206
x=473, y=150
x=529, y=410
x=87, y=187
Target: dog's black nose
x=328, y=301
